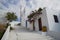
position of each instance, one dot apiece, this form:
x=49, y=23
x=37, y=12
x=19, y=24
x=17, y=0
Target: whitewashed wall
x=44, y=20
x=6, y=34
x=54, y=28
x=36, y=25
x=31, y=26
x=23, y=21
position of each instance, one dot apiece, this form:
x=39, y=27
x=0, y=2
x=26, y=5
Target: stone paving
x=23, y=34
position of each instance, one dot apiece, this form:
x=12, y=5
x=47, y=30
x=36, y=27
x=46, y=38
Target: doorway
x=26, y=23
x=33, y=25
x=40, y=24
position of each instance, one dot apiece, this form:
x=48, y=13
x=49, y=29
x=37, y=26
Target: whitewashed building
x=38, y=20
x=49, y=18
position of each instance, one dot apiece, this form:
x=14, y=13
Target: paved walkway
x=23, y=34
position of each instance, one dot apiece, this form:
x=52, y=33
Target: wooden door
x=40, y=24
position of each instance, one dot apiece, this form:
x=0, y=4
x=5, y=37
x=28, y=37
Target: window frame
x=56, y=19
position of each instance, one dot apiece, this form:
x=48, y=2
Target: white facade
x=47, y=18
x=24, y=12
x=53, y=26
x=44, y=20
x=22, y=17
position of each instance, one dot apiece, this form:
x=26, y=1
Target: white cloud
x=2, y=6
x=53, y=4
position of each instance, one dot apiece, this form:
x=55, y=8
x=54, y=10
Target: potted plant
x=44, y=30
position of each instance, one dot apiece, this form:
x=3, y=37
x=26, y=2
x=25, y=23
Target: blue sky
x=14, y=5
x=6, y=4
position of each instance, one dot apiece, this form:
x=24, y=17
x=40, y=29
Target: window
x=56, y=19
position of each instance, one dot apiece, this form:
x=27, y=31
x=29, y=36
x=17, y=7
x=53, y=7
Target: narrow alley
x=21, y=33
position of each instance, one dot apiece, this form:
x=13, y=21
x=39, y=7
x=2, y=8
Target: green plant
x=35, y=12
x=11, y=16
x=44, y=28
x=40, y=9
x=1, y=34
